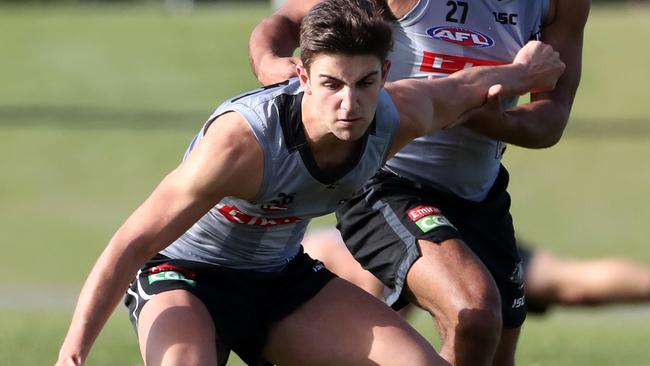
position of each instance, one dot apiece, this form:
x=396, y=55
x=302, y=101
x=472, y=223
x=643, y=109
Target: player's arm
x=274, y=39
x=228, y=161
x=426, y=106
x=541, y=122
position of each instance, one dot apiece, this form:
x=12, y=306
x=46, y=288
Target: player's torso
x=265, y=232
x=440, y=37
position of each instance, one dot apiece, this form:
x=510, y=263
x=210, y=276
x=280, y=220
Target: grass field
x=98, y=102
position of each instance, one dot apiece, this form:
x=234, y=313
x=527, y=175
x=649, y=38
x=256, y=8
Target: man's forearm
x=512, y=77
x=275, y=36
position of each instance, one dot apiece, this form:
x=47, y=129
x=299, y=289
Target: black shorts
x=382, y=223
x=533, y=307
x=243, y=304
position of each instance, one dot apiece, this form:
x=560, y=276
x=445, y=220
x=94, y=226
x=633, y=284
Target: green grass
x=97, y=103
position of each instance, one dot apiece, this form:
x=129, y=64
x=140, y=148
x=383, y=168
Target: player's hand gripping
x=543, y=64
x=274, y=69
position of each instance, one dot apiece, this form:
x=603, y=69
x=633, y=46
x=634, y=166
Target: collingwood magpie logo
x=517, y=275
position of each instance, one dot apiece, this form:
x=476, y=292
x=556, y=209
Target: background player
x=458, y=171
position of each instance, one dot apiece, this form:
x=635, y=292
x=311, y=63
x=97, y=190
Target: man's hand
x=490, y=112
x=273, y=69
x=542, y=63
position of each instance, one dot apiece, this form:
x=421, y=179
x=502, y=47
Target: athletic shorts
x=243, y=304
x=382, y=223
x=532, y=306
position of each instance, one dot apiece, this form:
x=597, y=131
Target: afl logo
x=461, y=36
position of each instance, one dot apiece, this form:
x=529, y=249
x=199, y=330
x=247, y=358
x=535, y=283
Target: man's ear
x=384, y=71
x=303, y=76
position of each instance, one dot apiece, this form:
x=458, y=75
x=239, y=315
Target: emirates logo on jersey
x=461, y=36
x=448, y=64
x=234, y=214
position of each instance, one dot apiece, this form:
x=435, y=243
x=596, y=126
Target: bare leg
x=505, y=355
x=452, y=284
x=551, y=279
x=343, y=325
x=327, y=246
x=175, y=328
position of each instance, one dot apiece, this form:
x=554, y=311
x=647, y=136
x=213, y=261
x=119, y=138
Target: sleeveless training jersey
x=264, y=234
x=440, y=37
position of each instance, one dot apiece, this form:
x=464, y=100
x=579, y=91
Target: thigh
x=327, y=246
x=382, y=225
x=449, y=280
x=487, y=228
x=343, y=325
x=175, y=328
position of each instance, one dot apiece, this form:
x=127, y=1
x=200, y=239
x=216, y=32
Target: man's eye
x=331, y=86
x=365, y=83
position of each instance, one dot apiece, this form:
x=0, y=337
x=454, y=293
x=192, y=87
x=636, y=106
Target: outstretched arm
x=222, y=164
x=429, y=105
x=273, y=41
x=541, y=122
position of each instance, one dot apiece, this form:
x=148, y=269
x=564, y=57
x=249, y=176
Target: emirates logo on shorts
x=428, y=218
x=421, y=211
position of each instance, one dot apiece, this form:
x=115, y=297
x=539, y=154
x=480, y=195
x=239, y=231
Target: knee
x=478, y=314
x=479, y=325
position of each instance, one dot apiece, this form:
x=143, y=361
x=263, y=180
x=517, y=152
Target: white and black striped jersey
x=439, y=37
x=264, y=233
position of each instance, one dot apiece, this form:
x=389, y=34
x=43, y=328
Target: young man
x=454, y=175
x=218, y=241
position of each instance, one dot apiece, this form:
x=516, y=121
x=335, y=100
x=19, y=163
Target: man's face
x=343, y=91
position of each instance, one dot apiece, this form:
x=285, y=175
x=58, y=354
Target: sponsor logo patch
x=234, y=214
x=449, y=64
x=428, y=218
x=461, y=36
x=420, y=211
x=170, y=276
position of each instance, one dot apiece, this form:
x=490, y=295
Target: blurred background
x=98, y=100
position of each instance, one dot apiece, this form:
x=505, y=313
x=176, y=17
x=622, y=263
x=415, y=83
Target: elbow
x=549, y=132
x=550, y=139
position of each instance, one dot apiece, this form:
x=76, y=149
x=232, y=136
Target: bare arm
x=222, y=164
x=541, y=122
x=429, y=105
x=274, y=40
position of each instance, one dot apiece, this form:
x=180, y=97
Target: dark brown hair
x=349, y=27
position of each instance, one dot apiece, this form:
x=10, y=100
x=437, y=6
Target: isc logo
x=461, y=36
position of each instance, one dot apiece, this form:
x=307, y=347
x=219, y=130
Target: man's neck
x=399, y=8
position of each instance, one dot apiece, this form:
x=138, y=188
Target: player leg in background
x=552, y=279
x=327, y=246
x=468, y=315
